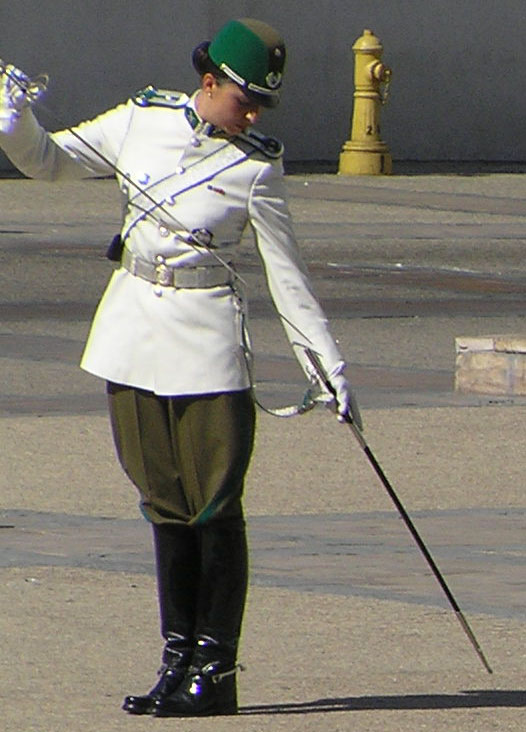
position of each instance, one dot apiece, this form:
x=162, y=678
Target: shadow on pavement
x=464, y=699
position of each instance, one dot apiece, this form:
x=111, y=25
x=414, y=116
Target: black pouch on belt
x=114, y=251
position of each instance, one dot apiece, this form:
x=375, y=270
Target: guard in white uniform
x=168, y=335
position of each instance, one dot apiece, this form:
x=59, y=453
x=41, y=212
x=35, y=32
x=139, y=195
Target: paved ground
x=346, y=628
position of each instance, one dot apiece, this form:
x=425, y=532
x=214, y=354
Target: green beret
x=252, y=54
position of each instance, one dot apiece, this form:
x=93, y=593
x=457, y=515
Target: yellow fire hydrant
x=365, y=153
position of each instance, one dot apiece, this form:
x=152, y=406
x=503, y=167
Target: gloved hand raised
x=17, y=91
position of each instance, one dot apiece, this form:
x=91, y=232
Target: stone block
x=492, y=364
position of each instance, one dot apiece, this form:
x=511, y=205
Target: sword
x=355, y=429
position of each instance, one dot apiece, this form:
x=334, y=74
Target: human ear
x=208, y=83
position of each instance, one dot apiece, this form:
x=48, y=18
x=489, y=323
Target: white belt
x=168, y=276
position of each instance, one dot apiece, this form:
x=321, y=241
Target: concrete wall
x=458, y=91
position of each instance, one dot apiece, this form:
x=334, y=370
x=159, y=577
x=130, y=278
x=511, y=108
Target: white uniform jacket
x=169, y=340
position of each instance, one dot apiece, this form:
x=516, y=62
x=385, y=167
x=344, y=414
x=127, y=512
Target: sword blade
x=318, y=367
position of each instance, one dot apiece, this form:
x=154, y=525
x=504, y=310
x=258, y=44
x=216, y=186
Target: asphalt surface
x=346, y=626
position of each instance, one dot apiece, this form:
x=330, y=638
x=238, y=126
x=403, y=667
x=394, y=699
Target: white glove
x=339, y=395
x=17, y=91
x=346, y=404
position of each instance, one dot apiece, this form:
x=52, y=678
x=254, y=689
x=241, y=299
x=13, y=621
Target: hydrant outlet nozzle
x=379, y=71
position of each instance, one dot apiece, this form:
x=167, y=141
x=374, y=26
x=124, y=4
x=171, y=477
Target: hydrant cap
x=368, y=43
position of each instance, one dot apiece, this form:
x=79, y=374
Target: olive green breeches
x=187, y=455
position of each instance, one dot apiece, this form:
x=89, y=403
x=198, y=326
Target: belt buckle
x=163, y=275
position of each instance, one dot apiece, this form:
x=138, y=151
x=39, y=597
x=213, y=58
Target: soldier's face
x=227, y=106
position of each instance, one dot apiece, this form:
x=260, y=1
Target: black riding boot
x=209, y=686
x=176, y=657
x=178, y=565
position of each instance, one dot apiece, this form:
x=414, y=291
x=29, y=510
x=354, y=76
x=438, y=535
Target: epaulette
x=152, y=97
x=269, y=146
